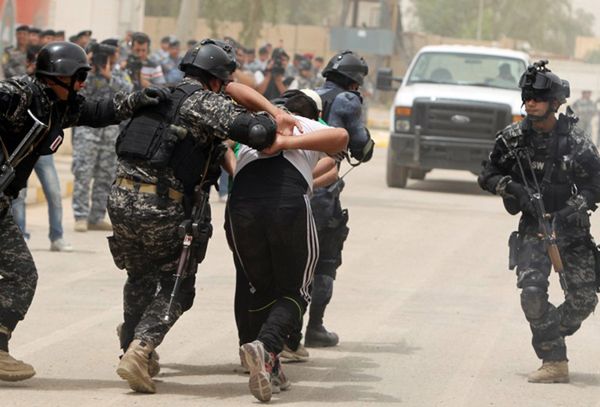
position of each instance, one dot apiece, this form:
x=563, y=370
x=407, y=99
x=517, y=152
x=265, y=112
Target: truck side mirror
x=385, y=78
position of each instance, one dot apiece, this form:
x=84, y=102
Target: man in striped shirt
x=149, y=73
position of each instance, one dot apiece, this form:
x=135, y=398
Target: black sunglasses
x=80, y=76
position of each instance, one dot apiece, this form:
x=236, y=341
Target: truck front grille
x=458, y=118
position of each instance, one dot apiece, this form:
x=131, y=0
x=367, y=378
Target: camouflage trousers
x=18, y=272
x=550, y=324
x=146, y=244
x=94, y=165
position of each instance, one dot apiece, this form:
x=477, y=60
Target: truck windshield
x=467, y=69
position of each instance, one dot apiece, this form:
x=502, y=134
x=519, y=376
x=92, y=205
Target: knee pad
x=534, y=301
x=322, y=289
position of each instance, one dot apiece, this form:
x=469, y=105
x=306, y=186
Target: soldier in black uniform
x=555, y=157
x=51, y=97
x=164, y=154
x=342, y=107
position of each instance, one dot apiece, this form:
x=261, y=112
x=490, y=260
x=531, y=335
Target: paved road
x=427, y=313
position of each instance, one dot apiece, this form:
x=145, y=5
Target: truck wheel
x=417, y=173
x=396, y=175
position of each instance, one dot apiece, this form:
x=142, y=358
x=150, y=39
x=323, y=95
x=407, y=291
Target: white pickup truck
x=452, y=101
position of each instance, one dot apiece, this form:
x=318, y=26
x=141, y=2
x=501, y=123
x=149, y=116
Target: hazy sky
x=591, y=6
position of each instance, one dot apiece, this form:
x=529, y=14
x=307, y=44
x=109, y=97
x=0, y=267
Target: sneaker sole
x=134, y=381
x=15, y=377
x=260, y=381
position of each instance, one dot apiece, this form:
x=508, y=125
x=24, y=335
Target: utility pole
x=186, y=21
x=355, y=13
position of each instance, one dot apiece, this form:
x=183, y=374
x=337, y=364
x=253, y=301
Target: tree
x=550, y=25
x=254, y=14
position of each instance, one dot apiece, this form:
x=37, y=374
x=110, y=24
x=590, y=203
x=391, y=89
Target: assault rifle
x=195, y=233
x=8, y=163
x=547, y=227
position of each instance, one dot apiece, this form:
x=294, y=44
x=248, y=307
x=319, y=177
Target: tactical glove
x=520, y=193
x=148, y=97
x=574, y=213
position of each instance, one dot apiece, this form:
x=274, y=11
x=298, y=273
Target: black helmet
x=61, y=59
x=347, y=64
x=213, y=56
x=539, y=82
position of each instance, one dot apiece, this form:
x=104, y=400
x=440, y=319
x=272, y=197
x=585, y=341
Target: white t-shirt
x=303, y=160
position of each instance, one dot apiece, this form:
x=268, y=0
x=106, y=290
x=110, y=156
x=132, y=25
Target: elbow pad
x=255, y=130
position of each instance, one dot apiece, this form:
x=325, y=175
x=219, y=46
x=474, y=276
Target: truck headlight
x=403, y=125
x=402, y=115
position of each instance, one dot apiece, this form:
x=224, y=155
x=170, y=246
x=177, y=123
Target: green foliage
x=253, y=14
x=549, y=25
x=162, y=8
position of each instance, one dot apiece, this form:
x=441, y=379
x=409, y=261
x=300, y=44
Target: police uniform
x=94, y=157
x=18, y=96
x=14, y=62
x=341, y=108
x=150, y=197
x=566, y=166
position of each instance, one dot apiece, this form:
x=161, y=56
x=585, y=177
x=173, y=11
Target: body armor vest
x=552, y=164
x=328, y=97
x=148, y=138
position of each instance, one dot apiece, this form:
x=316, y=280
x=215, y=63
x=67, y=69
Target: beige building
x=106, y=18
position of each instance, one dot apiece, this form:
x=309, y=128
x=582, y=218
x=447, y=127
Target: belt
x=147, y=188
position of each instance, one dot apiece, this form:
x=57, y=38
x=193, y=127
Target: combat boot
x=319, y=337
x=551, y=372
x=133, y=367
x=102, y=225
x=153, y=361
x=12, y=370
x=298, y=355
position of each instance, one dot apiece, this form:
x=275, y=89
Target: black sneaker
x=319, y=337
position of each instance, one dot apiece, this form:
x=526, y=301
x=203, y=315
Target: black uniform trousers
x=17, y=269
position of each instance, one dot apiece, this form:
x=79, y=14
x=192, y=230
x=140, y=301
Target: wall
x=584, y=45
x=106, y=18
x=294, y=38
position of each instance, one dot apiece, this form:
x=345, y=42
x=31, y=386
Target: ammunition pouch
x=331, y=243
x=200, y=229
x=514, y=242
x=201, y=236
